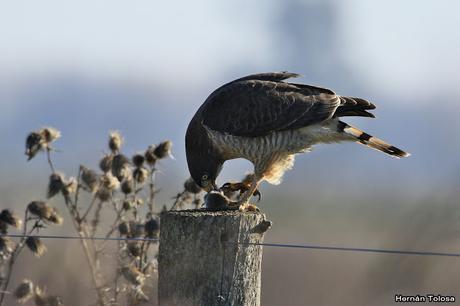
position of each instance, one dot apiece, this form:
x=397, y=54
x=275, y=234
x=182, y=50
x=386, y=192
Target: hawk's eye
x=204, y=178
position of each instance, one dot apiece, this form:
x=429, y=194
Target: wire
x=278, y=245
x=80, y=238
x=351, y=249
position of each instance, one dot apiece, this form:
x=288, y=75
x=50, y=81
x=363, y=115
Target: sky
x=405, y=46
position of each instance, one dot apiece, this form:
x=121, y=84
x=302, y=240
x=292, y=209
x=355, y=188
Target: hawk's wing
x=260, y=104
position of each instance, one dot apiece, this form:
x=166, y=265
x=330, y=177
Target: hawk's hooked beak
x=210, y=187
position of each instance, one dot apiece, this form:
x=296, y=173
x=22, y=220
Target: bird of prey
x=267, y=120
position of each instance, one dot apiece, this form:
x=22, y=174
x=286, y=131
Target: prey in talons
x=217, y=201
x=230, y=187
x=239, y=193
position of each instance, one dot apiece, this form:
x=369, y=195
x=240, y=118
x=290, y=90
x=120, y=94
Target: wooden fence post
x=204, y=258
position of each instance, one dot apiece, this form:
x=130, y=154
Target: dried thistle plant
x=133, y=275
x=40, y=140
x=36, y=246
x=190, y=195
x=34, y=143
x=123, y=187
x=43, y=299
x=163, y=150
x=152, y=228
x=150, y=156
x=9, y=218
x=24, y=291
x=115, y=141
x=89, y=178
x=105, y=164
x=6, y=247
x=37, y=215
x=45, y=212
x=50, y=134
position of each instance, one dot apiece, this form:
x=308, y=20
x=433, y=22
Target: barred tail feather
x=371, y=141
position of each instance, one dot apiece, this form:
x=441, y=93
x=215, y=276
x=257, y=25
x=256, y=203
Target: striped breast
x=279, y=142
x=257, y=148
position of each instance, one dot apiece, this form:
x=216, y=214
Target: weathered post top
x=210, y=258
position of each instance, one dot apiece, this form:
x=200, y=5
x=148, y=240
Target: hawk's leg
x=244, y=201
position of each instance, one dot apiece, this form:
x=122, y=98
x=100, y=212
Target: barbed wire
x=266, y=244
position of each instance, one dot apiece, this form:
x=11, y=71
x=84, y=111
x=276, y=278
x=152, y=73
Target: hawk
x=266, y=120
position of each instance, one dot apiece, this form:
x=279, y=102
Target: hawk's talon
x=257, y=194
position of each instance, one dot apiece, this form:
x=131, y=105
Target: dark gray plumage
x=267, y=121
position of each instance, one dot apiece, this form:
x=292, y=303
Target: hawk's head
x=204, y=161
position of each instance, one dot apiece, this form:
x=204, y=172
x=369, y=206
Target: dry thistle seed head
x=127, y=205
x=138, y=160
x=44, y=300
x=133, y=275
x=49, y=134
x=152, y=228
x=105, y=164
x=24, y=291
x=34, y=143
x=10, y=218
x=127, y=186
x=3, y=227
x=134, y=248
x=6, y=246
x=104, y=194
x=108, y=181
x=150, y=156
x=120, y=167
x=41, y=299
x=70, y=186
x=115, y=141
x=40, y=209
x=191, y=187
x=55, y=218
x=139, y=202
x=163, y=150
x=36, y=246
x=136, y=229
x=55, y=185
x=45, y=212
x=89, y=178
x=123, y=228
x=140, y=175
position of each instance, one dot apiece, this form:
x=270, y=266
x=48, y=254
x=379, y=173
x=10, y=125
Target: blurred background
x=144, y=67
